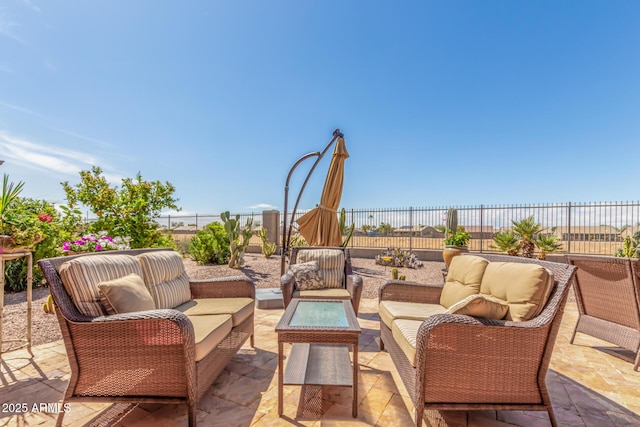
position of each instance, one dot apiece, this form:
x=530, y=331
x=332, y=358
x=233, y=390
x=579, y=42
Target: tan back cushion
x=463, y=279
x=525, y=287
x=164, y=274
x=331, y=263
x=81, y=277
x=125, y=295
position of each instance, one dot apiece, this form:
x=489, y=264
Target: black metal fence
x=586, y=228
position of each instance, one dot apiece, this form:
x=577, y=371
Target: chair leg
x=192, y=414
x=381, y=344
x=637, y=365
x=252, y=342
x=60, y=417
x=575, y=330
x=419, y=415
x=552, y=416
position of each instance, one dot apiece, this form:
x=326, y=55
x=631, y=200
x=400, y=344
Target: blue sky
x=445, y=103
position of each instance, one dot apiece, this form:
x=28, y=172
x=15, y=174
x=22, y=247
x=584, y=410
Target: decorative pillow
x=125, y=295
x=525, y=287
x=307, y=276
x=165, y=277
x=331, y=263
x=82, y=275
x=480, y=306
x=463, y=279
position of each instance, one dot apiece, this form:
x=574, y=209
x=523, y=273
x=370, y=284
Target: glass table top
x=320, y=313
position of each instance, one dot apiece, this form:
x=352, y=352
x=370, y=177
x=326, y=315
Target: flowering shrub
x=96, y=243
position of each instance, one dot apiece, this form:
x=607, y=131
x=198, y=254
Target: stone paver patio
x=591, y=384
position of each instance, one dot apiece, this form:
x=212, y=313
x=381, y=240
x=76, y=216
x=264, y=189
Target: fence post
x=169, y=222
x=196, y=222
x=481, y=228
x=410, y=228
x=352, y=222
x=569, y=228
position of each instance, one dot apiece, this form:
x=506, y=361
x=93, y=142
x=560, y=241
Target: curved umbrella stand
x=286, y=233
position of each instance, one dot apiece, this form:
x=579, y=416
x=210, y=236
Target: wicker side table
x=26, y=342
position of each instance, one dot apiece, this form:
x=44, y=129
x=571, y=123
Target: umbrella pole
x=286, y=234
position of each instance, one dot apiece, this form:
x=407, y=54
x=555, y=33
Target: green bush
x=210, y=245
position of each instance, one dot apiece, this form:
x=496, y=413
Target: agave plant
x=547, y=243
x=526, y=230
x=507, y=241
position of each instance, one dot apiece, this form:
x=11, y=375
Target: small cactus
x=268, y=248
x=402, y=277
x=48, y=306
x=394, y=273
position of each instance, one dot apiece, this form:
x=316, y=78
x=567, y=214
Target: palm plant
x=547, y=243
x=10, y=192
x=526, y=230
x=507, y=241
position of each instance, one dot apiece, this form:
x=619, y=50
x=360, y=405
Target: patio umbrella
x=319, y=226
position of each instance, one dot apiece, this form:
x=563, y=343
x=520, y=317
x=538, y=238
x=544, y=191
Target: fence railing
x=585, y=228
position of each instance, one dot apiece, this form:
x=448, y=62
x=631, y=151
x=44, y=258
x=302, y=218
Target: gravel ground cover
x=265, y=273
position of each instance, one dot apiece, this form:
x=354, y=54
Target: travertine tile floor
x=591, y=384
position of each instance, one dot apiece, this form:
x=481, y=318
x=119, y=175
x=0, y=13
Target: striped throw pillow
x=331, y=262
x=81, y=277
x=165, y=277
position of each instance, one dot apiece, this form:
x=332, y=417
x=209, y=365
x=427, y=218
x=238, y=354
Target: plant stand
x=26, y=342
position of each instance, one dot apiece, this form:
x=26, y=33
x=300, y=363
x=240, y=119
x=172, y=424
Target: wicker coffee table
x=321, y=332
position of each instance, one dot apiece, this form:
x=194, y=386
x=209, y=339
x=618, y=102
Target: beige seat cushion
x=463, y=279
x=480, y=305
x=405, y=334
x=392, y=310
x=240, y=309
x=307, y=275
x=524, y=287
x=164, y=274
x=331, y=263
x=82, y=275
x=209, y=330
x=323, y=294
x=125, y=295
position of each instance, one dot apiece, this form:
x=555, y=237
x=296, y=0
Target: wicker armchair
x=351, y=287
x=608, y=296
x=146, y=356
x=468, y=363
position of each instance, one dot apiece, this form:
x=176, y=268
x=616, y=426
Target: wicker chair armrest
x=223, y=287
x=287, y=283
x=354, y=287
x=161, y=331
x=495, y=339
x=354, y=284
x=401, y=290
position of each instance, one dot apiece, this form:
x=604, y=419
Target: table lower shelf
x=319, y=364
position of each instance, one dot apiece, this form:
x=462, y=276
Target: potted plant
x=455, y=243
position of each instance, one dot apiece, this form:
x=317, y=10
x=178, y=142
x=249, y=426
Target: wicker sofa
x=170, y=353
x=608, y=296
x=463, y=361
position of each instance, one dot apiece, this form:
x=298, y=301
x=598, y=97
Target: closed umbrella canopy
x=320, y=226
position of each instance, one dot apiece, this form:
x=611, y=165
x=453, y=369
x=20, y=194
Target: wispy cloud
x=45, y=157
x=21, y=109
x=6, y=29
x=31, y=5
x=262, y=206
x=85, y=138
